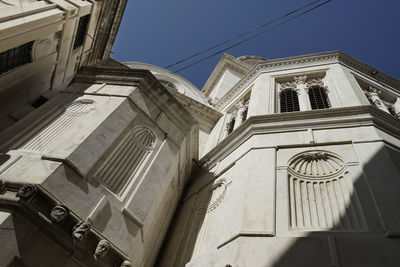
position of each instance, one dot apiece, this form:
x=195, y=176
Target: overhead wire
x=255, y=35
x=241, y=34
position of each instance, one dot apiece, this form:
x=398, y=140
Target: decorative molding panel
x=42, y=48
x=210, y=216
x=122, y=162
x=58, y=129
x=322, y=196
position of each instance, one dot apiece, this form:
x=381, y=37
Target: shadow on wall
x=191, y=213
x=357, y=228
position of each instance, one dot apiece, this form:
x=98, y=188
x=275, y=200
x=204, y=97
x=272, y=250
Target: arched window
x=289, y=101
x=318, y=98
x=169, y=84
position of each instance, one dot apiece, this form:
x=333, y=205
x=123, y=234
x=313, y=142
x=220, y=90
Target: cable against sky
x=251, y=37
x=241, y=35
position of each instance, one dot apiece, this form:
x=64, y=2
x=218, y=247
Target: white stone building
x=284, y=162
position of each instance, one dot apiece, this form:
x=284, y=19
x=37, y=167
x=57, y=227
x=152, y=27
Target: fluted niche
x=59, y=128
x=207, y=206
x=322, y=196
x=124, y=160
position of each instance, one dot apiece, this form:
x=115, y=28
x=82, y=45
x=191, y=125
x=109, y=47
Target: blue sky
x=160, y=32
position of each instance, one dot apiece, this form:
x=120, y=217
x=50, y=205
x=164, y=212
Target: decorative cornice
x=107, y=27
x=226, y=62
x=59, y=223
x=303, y=61
x=147, y=82
x=198, y=109
x=332, y=117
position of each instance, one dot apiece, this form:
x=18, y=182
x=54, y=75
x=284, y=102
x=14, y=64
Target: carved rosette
x=316, y=164
x=58, y=213
x=26, y=191
x=80, y=231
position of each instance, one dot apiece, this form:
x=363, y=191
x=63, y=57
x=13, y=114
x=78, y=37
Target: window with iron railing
x=289, y=101
x=81, y=31
x=15, y=57
x=318, y=98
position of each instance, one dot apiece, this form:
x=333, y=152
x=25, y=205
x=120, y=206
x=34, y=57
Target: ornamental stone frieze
x=35, y=205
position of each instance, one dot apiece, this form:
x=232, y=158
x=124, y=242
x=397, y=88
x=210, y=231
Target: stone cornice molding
x=208, y=114
x=39, y=210
x=226, y=62
x=106, y=30
x=367, y=115
x=145, y=81
x=303, y=61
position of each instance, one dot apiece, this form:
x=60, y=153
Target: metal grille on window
x=289, y=101
x=318, y=98
x=15, y=57
x=81, y=32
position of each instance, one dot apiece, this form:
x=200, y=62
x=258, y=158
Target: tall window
x=318, y=98
x=81, y=31
x=289, y=101
x=15, y=57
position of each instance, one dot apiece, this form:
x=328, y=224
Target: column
x=239, y=113
x=304, y=100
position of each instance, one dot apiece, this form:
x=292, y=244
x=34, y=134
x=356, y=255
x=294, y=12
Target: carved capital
x=300, y=79
x=27, y=191
x=80, y=231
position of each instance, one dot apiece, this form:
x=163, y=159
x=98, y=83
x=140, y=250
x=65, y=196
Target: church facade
x=283, y=162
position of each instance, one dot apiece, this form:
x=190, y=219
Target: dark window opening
x=289, y=101
x=15, y=57
x=169, y=84
x=81, y=31
x=40, y=101
x=318, y=98
x=231, y=125
x=244, y=114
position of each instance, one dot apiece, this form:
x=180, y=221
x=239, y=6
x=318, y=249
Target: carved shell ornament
x=42, y=48
x=145, y=137
x=217, y=190
x=316, y=164
x=80, y=107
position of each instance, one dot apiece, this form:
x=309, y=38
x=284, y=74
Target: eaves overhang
x=226, y=62
x=356, y=116
x=317, y=59
x=148, y=83
x=106, y=30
